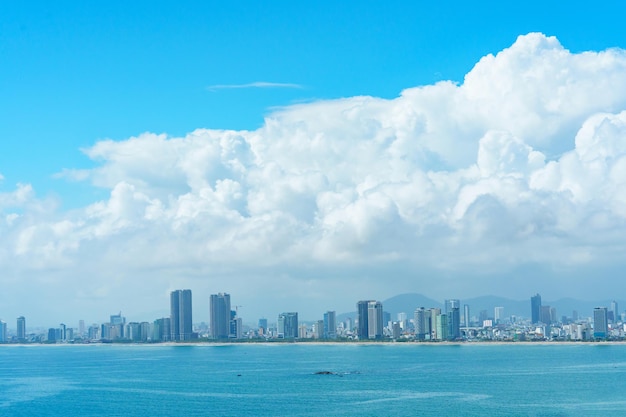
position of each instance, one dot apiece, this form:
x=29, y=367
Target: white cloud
x=446, y=189
x=256, y=84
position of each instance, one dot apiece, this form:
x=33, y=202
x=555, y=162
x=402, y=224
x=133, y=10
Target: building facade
x=181, y=324
x=161, y=330
x=362, y=325
x=220, y=316
x=535, y=308
x=375, y=320
x=600, y=323
x=288, y=325
x=21, y=328
x=330, y=325
x=453, y=311
x=3, y=332
x=419, y=319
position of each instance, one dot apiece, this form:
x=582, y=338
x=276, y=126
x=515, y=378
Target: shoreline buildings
x=181, y=326
x=371, y=323
x=288, y=325
x=220, y=316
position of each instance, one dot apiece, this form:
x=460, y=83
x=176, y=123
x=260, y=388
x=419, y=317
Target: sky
x=302, y=157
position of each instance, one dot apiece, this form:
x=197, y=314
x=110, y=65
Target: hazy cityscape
x=456, y=322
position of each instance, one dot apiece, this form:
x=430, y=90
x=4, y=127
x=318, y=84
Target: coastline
x=330, y=343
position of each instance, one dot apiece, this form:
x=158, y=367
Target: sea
x=306, y=379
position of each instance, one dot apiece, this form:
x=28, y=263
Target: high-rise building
x=453, y=311
x=21, y=328
x=288, y=325
x=466, y=314
x=442, y=327
x=330, y=325
x=402, y=321
x=133, y=331
x=220, y=315
x=262, y=326
x=145, y=331
x=375, y=320
x=432, y=326
x=386, y=318
x=3, y=332
x=498, y=314
x=319, y=329
x=162, y=330
x=535, y=308
x=553, y=315
x=302, y=331
x=118, y=322
x=419, y=318
x=546, y=316
x=600, y=323
x=236, y=327
x=615, y=311
x=94, y=332
x=362, y=326
x=181, y=324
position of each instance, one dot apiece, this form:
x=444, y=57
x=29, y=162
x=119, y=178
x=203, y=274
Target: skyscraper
x=545, y=316
x=453, y=311
x=362, y=329
x=535, y=308
x=443, y=327
x=220, y=315
x=288, y=325
x=615, y=311
x=162, y=330
x=466, y=314
x=330, y=325
x=181, y=326
x=498, y=314
x=375, y=320
x=118, y=322
x=3, y=332
x=420, y=323
x=21, y=328
x=432, y=324
x=600, y=323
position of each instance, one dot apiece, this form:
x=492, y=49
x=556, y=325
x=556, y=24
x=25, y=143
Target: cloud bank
x=509, y=182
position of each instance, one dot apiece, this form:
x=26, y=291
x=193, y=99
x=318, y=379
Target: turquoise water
x=280, y=380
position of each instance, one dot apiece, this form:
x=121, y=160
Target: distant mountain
x=489, y=302
x=408, y=303
x=521, y=308
x=403, y=303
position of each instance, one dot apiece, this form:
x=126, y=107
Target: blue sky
x=74, y=75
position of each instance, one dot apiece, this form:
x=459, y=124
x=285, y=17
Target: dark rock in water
x=324, y=373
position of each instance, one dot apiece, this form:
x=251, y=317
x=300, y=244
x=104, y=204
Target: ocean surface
x=281, y=380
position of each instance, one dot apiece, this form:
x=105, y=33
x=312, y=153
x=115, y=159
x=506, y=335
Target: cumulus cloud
x=448, y=188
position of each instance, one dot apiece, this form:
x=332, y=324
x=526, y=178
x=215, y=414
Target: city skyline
x=522, y=308
x=307, y=156
x=372, y=323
